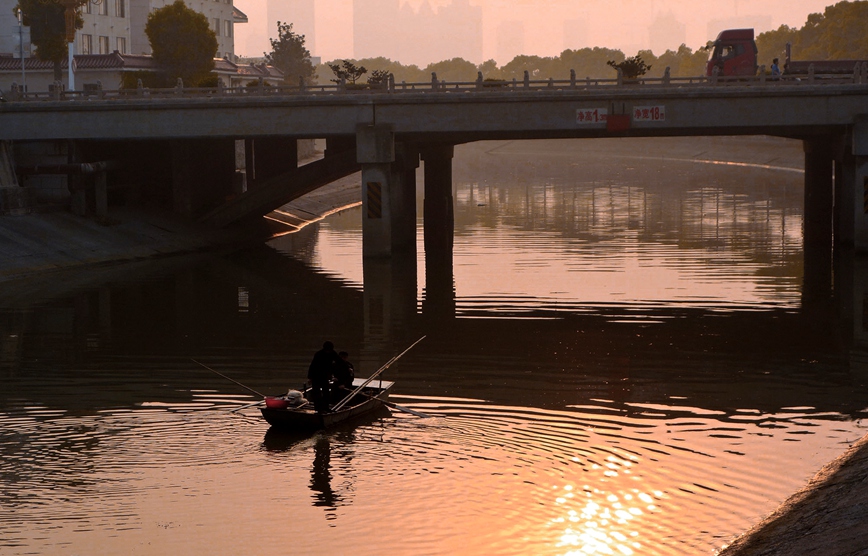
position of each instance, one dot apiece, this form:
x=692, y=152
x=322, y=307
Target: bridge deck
x=792, y=109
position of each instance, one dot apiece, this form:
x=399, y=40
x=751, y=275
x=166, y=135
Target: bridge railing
x=436, y=85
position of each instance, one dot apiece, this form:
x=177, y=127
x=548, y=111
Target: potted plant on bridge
x=631, y=69
x=347, y=73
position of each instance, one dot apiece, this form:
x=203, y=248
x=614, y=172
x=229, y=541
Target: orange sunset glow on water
x=622, y=359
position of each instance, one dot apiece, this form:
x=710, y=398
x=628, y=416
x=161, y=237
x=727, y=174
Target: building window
x=102, y=8
x=120, y=8
x=103, y=45
x=122, y=45
x=216, y=26
x=87, y=44
x=227, y=28
x=87, y=8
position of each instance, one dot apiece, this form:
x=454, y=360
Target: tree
x=347, y=71
x=289, y=55
x=182, y=42
x=632, y=67
x=47, y=24
x=488, y=69
x=456, y=69
x=837, y=33
x=773, y=44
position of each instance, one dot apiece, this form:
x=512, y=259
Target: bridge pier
x=439, y=224
x=854, y=182
x=388, y=192
x=439, y=213
x=818, y=215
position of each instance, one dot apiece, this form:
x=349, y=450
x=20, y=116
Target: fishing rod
x=230, y=379
x=373, y=376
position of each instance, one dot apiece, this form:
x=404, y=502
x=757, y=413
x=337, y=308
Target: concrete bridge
x=188, y=140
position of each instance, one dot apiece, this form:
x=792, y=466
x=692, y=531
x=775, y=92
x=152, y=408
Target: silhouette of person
x=322, y=368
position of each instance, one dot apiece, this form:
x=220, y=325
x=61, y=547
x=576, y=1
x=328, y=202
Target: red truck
x=735, y=54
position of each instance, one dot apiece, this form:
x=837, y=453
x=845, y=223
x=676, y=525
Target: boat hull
x=307, y=419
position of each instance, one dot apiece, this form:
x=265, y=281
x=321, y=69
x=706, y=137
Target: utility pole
x=21, y=46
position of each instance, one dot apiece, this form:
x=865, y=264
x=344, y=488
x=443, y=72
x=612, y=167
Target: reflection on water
x=629, y=368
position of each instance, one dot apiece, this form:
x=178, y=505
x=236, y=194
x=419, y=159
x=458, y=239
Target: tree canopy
x=47, y=30
x=182, y=42
x=289, y=55
x=836, y=34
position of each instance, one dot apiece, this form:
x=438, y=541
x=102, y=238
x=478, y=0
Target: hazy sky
x=552, y=25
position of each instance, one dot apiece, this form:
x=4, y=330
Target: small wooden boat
x=288, y=414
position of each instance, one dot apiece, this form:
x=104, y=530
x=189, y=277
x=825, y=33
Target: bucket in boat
x=275, y=403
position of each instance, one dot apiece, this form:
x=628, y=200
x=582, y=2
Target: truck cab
x=734, y=54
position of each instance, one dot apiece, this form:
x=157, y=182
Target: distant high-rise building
x=760, y=23
x=510, y=41
x=460, y=31
x=576, y=34
x=302, y=15
x=400, y=33
x=666, y=33
x=374, y=23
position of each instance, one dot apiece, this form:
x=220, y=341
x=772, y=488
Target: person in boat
x=344, y=375
x=345, y=371
x=322, y=368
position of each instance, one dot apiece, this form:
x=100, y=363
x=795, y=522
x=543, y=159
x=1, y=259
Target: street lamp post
x=21, y=46
x=71, y=7
x=70, y=15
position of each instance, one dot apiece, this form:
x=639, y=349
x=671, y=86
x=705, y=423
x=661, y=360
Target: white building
x=221, y=15
x=119, y=25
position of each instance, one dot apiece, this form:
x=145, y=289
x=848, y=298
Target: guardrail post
x=391, y=82
x=179, y=87
x=140, y=89
x=434, y=83
x=620, y=77
x=57, y=87
x=667, y=76
x=14, y=93
x=221, y=88
x=260, y=86
x=100, y=94
x=526, y=80
x=714, y=74
x=572, y=79
x=301, y=85
x=810, y=73
x=479, y=80
x=762, y=72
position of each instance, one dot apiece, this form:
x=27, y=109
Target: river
x=624, y=359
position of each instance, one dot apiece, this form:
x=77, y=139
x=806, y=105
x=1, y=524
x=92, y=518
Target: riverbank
x=49, y=253
x=826, y=518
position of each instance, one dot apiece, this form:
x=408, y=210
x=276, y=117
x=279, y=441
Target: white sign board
x=585, y=116
x=656, y=113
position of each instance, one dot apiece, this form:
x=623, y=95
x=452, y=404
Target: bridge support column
x=403, y=200
x=375, y=151
x=854, y=174
x=439, y=222
x=266, y=157
x=818, y=223
x=203, y=173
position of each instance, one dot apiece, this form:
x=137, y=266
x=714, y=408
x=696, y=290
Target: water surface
x=622, y=360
